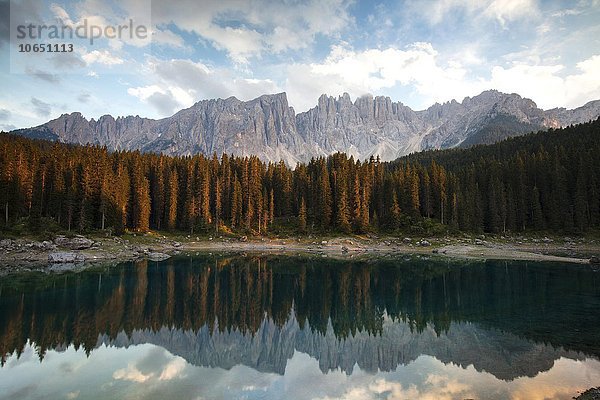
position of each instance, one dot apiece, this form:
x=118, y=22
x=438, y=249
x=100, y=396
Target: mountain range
x=269, y=128
x=270, y=349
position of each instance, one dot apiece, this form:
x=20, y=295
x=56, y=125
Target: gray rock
x=43, y=246
x=75, y=243
x=594, y=260
x=407, y=240
x=424, y=243
x=65, y=257
x=344, y=249
x=6, y=243
x=157, y=256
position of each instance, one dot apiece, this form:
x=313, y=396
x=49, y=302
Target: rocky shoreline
x=64, y=253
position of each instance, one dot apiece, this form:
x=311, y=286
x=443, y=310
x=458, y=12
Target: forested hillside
x=543, y=181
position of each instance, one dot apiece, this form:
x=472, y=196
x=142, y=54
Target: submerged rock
x=158, y=256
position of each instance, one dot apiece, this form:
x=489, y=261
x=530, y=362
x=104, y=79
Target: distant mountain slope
x=269, y=128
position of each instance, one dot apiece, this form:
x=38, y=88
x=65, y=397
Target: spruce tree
x=394, y=221
x=302, y=216
x=342, y=216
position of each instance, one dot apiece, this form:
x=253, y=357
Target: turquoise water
x=304, y=328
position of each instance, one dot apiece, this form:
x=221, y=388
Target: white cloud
x=548, y=86
x=246, y=29
x=509, y=10
x=370, y=71
x=173, y=370
x=534, y=81
x=180, y=83
x=41, y=108
x=503, y=11
x=103, y=14
x=101, y=57
x=131, y=374
x=419, y=68
x=167, y=37
x=422, y=69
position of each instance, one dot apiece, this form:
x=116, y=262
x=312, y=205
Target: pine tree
x=205, y=215
x=302, y=216
x=394, y=222
x=84, y=195
x=342, y=216
x=35, y=213
x=105, y=198
x=357, y=207
x=190, y=204
x=172, y=186
x=217, y=188
x=324, y=195
x=121, y=195
x=271, y=207
x=236, y=203
x=158, y=194
x=141, y=201
x=581, y=199
x=413, y=187
x=365, y=215
x=536, y=216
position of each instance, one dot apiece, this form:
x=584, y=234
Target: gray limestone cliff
x=269, y=128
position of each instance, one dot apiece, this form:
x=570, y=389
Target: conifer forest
x=545, y=181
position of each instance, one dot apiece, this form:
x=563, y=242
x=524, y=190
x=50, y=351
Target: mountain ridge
x=268, y=126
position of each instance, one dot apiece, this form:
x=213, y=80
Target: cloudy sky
x=416, y=51
x=151, y=372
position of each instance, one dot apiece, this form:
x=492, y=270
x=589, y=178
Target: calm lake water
x=255, y=327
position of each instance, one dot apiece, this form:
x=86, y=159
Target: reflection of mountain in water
x=510, y=319
x=504, y=355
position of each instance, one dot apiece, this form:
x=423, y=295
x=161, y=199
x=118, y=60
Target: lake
x=271, y=327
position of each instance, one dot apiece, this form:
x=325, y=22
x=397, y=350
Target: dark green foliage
x=498, y=128
x=549, y=180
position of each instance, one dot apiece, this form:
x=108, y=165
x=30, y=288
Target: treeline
x=544, y=181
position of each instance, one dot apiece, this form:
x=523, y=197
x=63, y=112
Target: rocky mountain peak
x=268, y=127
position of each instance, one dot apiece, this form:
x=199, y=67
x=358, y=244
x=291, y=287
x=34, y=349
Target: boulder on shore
x=65, y=257
x=74, y=243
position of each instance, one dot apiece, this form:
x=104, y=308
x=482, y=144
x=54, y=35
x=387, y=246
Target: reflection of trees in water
x=557, y=305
